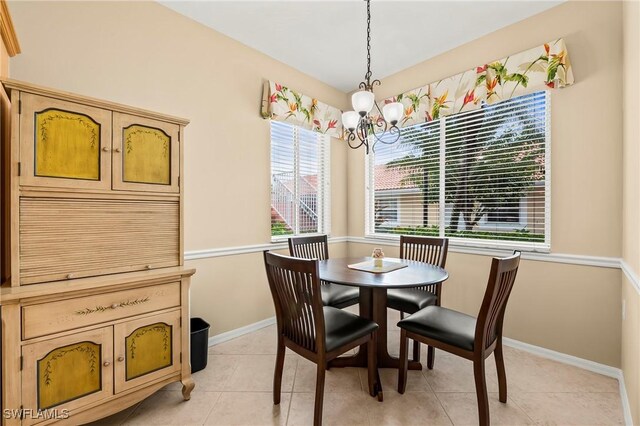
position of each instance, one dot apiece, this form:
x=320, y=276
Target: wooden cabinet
x=64, y=144
x=95, y=182
x=71, y=145
x=146, y=349
x=94, y=313
x=67, y=372
x=145, y=155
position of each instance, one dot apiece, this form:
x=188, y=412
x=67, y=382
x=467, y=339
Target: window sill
x=280, y=239
x=487, y=247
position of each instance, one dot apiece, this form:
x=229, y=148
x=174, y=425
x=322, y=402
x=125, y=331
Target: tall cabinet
x=94, y=303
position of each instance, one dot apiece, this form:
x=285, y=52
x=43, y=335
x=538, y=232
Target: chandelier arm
x=378, y=108
x=392, y=130
x=352, y=137
x=363, y=130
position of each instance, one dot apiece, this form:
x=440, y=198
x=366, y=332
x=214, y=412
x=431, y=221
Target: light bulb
x=350, y=120
x=362, y=102
x=393, y=112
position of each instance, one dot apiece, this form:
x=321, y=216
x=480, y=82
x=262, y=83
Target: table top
x=414, y=275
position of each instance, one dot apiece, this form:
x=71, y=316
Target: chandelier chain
x=368, y=74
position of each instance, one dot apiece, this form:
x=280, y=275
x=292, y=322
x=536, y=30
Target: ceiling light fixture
x=360, y=123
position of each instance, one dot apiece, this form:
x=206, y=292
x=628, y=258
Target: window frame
x=471, y=243
x=323, y=199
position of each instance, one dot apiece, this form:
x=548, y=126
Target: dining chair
x=411, y=300
x=463, y=335
x=316, y=247
x=316, y=332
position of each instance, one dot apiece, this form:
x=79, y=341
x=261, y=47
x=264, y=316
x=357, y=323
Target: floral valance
x=283, y=104
x=542, y=67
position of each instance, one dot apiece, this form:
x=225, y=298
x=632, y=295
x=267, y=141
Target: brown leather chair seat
x=342, y=327
x=442, y=324
x=338, y=295
x=410, y=300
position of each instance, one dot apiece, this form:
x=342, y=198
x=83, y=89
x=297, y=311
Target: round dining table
x=373, y=299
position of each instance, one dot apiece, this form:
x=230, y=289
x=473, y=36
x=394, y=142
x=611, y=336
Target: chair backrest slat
x=501, y=280
x=295, y=289
x=424, y=249
x=314, y=247
x=427, y=250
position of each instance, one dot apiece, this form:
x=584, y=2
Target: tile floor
x=235, y=389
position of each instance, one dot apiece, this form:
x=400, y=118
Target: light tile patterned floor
x=235, y=389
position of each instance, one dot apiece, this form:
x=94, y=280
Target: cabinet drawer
x=54, y=317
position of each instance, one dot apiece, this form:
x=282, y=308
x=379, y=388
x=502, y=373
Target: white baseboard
x=232, y=334
x=585, y=364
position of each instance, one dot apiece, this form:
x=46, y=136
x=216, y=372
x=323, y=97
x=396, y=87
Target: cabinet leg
x=187, y=386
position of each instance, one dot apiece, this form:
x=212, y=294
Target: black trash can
x=199, y=344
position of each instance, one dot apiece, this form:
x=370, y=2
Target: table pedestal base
x=373, y=306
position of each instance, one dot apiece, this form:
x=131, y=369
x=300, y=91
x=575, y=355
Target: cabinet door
x=64, y=144
x=146, y=154
x=146, y=349
x=68, y=372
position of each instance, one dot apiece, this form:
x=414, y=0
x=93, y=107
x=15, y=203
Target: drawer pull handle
x=147, y=266
x=120, y=358
x=101, y=308
x=69, y=276
x=106, y=363
x=117, y=150
x=105, y=148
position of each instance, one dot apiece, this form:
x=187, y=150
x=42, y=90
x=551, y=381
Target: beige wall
x=558, y=306
x=143, y=54
x=631, y=204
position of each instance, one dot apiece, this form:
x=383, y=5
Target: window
x=299, y=181
x=479, y=177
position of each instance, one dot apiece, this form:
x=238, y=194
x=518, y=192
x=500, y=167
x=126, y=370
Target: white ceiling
x=327, y=39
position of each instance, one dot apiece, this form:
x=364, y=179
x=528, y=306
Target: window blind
x=299, y=181
x=479, y=177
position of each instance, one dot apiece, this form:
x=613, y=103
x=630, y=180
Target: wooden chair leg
x=431, y=357
x=502, y=375
x=416, y=351
x=481, y=392
x=371, y=364
x=277, y=376
x=404, y=362
x=317, y=411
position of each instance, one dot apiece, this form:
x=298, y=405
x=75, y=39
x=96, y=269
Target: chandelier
x=360, y=123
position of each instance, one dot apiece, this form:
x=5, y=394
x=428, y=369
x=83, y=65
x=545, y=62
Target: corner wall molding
x=575, y=361
x=7, y=31
x=630, y=274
